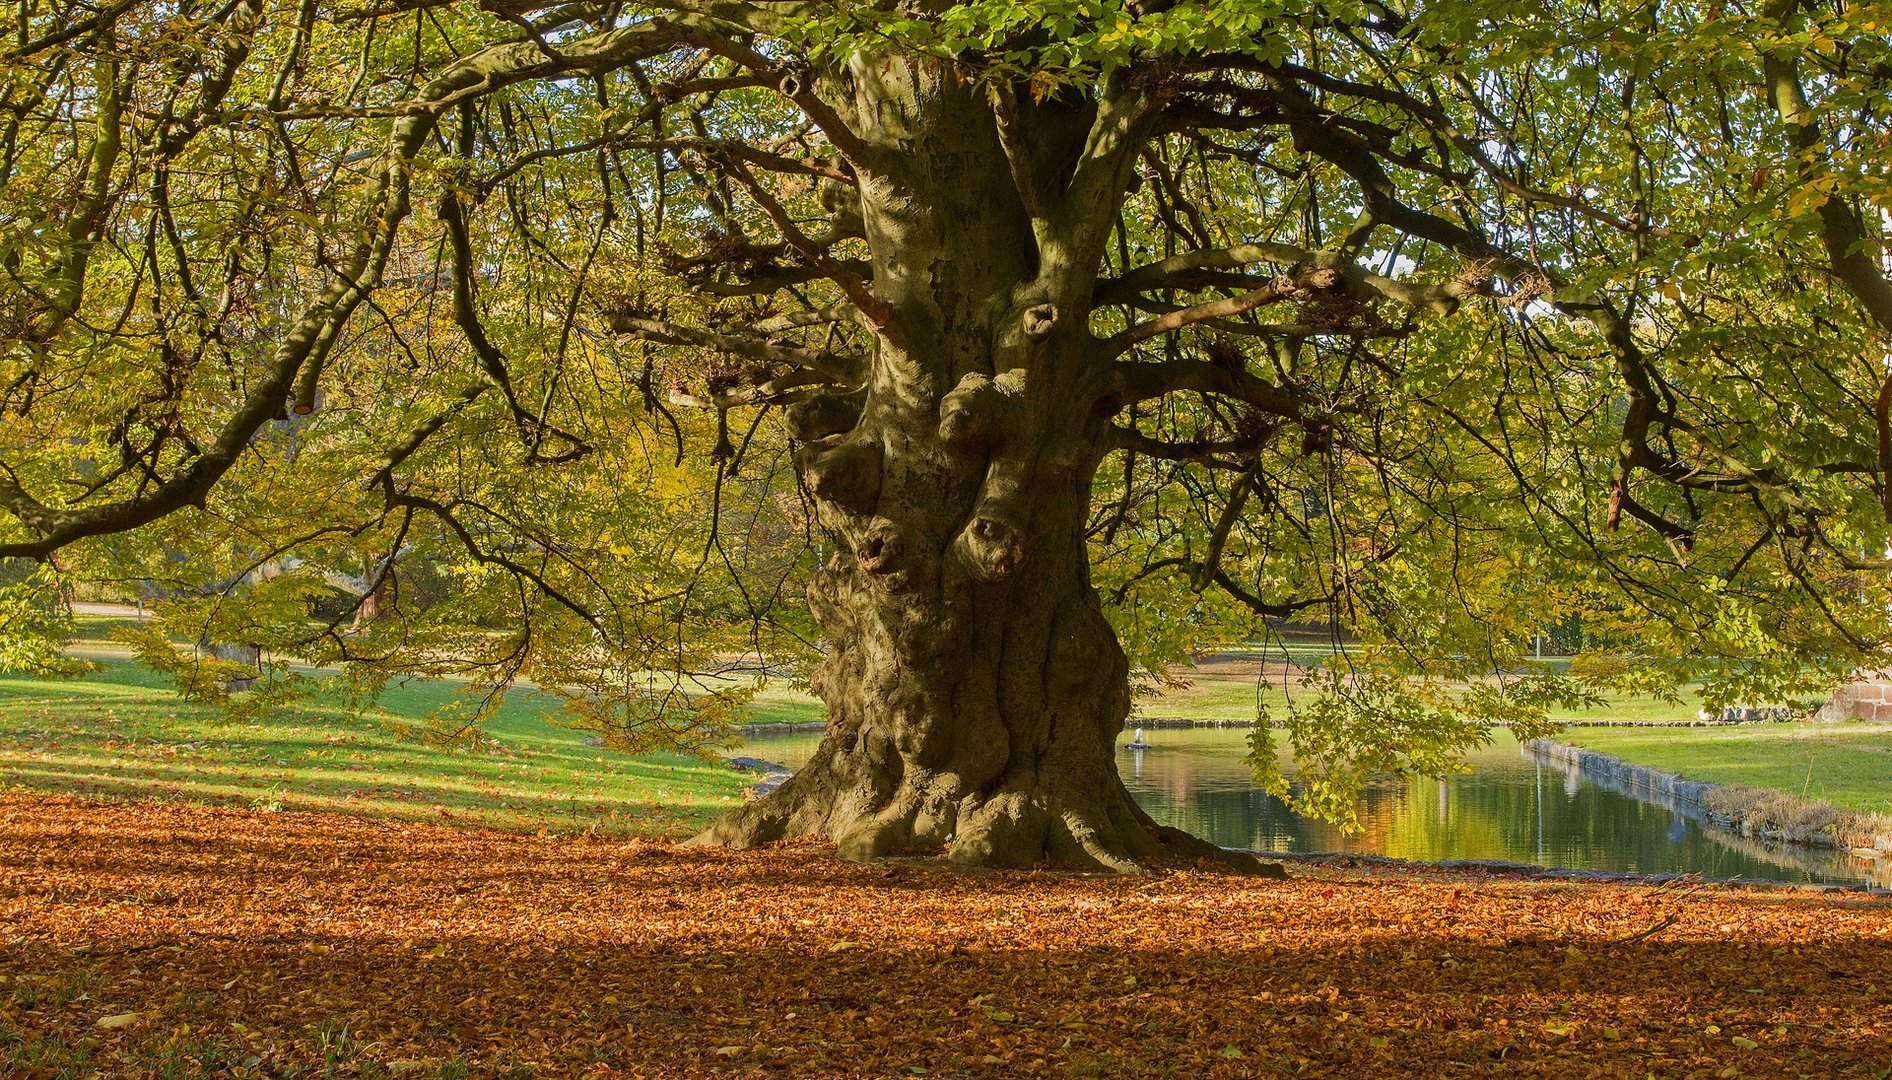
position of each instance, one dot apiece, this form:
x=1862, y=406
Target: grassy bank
x=1847, y=765
x=1228, y=686
x=1204, y=698
x=123, y=733
x=1208, y=695
x=1633, y=709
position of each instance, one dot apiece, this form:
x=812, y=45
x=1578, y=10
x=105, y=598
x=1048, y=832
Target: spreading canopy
x=575, y=335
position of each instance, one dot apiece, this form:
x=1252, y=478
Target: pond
x=1512, y=806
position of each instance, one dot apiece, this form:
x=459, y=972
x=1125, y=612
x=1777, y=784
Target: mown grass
x=1211, y=697
x=784, y=705
x=778, y=703
x=1200, y=698
x=123, y=733
x=1203, y=694
x=1207, y=696
x=1634, y=709
x=1846, y=765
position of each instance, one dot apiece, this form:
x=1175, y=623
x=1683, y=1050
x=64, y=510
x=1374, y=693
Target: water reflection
x=1512, y=805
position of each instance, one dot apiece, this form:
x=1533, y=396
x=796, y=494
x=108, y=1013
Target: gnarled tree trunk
x=975, y=691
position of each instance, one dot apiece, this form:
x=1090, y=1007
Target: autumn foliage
x=142, y=939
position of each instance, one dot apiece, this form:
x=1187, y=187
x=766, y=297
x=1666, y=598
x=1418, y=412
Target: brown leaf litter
x=142, y=940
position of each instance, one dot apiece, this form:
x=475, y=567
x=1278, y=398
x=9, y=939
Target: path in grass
x=185, y=941
x=123, y=733
x=1846, y=765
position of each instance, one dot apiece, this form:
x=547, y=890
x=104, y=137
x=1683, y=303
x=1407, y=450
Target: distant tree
x=1442, y=323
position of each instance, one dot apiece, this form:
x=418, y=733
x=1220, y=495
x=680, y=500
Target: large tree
x=1442, y=323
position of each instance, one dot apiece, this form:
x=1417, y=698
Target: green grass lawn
x=1206, y=696
x=1305, y=652
x=1211, y=697
x=779, y=704
x=1628, y=708
x=123, y=733
x=1217, y=697
x=1847, y=765
x=776, y=704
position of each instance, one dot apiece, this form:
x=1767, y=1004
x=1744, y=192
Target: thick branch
x=744, y=345
x=876, y=312
x=1189, y=316
x=1137, y=381
x=1234, y=454
x=1851, y=251
x=1190, y=268
x=782, y=389
x=1118, y=132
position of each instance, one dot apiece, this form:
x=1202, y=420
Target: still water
x=1511, y=806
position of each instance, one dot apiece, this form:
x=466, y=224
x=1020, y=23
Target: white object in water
x=1138, y=737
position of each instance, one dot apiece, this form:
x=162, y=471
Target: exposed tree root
x=1102, y=832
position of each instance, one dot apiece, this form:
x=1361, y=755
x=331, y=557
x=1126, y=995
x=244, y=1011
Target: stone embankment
x=1761, y=813
x=773, y=775
x=1146, y=721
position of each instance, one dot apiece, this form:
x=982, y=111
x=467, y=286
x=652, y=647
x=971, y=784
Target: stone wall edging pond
x=1147, y=721
x=1760, y=813
x=1167, y=722
x=774, y=775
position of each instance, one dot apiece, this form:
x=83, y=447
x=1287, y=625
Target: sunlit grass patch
x=122, y=733
x=1846, y=765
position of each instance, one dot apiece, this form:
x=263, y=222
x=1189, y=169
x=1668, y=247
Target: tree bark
x=975, y=690
x=968, y=710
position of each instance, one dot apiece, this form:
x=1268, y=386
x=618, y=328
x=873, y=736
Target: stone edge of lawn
x=1756, y=812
